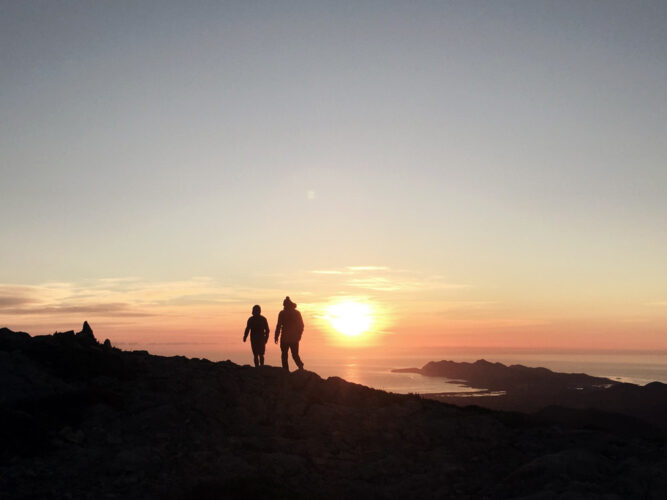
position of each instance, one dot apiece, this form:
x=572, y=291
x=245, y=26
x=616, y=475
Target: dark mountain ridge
x=529, y=389
x=83, y=420
x=497, y=376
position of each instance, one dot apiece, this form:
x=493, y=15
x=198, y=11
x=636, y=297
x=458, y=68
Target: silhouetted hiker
x=290, y=323
x=259, y=334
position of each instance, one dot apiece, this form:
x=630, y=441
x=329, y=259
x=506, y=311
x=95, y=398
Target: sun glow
x=350, y=318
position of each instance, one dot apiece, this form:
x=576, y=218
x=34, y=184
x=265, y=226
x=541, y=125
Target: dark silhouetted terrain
x=542, y=390
x=83, y=420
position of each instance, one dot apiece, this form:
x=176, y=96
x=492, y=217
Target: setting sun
x=350, y=318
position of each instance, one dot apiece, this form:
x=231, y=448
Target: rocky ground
x=84, y=420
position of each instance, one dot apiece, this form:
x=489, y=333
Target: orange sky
x=408, y=313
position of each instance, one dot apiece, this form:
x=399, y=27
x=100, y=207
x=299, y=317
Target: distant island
x=526, y=389
x=82, y=419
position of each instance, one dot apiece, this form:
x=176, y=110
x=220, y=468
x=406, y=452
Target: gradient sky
x=482, y=173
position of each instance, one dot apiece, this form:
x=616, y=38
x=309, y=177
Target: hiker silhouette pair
x=289, y=330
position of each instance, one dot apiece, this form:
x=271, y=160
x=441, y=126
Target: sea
x=635, y=368
x=638, y=368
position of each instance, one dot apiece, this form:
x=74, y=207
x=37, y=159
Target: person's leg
x=259, y=348
x=283, y=355
x=295, y=354
x=256, y=359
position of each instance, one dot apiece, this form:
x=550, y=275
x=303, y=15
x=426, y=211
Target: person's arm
x=301, y=326
x=267, y=331
x=247, y=330
x=279, y=326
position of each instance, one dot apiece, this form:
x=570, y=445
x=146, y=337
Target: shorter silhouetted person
x=290, y=325
x=259, y=331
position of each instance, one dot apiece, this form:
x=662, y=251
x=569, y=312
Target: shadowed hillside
x=496, y=376
x=539, y=389
x=84, y=420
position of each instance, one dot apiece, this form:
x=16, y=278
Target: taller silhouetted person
x=290, y=324
x=259, y=334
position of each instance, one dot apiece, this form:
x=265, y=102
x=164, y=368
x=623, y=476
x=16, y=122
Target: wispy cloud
x=8, y=302
x=127, y=301
x=386, y=279
x=349, y=270
x=127, y=279
x=376, y=283
x=116, y=297
x=101, y=309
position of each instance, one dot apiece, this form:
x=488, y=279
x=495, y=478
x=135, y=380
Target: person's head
x=256, y=310
x=288, y=304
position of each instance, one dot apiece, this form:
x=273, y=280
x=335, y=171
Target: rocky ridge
x=83, y=420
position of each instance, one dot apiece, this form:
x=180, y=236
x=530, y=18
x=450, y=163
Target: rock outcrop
x=87, y=333
x=79, y=420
